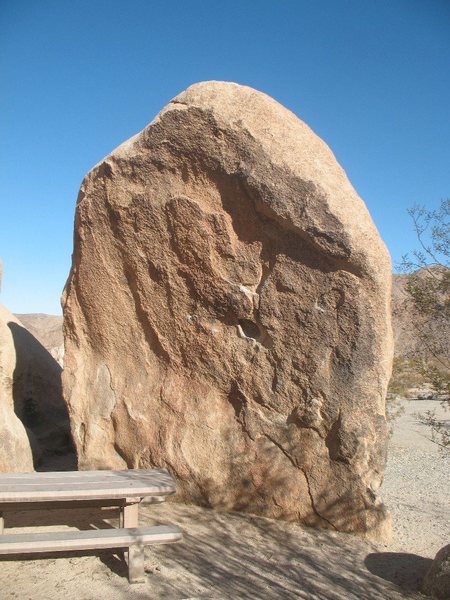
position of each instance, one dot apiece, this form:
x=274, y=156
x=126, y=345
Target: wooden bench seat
x=135, y=539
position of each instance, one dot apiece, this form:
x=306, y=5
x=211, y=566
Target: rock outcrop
x=32, y=387
x=33, y=416
x=15, y=449
x=436, y=582
x=227, y=315
x=47, y=329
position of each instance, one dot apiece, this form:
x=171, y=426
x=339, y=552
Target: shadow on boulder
x=38, y=398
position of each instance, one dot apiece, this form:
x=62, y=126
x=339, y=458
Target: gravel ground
x=417, y=483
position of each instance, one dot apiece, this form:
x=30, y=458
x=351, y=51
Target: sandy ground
x=417, y=483
x=233, y=556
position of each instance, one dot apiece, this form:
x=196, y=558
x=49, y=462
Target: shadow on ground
x=237, y=556
x=405, y=570
x=222, y=556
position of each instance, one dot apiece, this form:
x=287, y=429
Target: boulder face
x=32, y=393
x=436, y=582
x=47, y=329
x=15, y=449
x=227, y=315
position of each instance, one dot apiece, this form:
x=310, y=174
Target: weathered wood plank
x=85, y=476
x=136, y=570
x=129, y=515
x=93, y=539
x=76, y=483
x=114, y=483
x=61, y=504
x=83, y=493
x=77, y=486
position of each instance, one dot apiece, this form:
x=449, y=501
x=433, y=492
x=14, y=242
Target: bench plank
x=93, y=539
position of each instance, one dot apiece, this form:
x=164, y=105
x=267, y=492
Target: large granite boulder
x=227, y=315
x=32, y=389
x=38, y=394
x=15, y=448
x=34, y=421
x=47, y=329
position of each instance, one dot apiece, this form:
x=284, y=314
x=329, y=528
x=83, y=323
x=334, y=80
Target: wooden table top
x=84, y=485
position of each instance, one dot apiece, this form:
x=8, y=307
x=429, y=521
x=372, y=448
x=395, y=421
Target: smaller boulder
x=47, y=329
x=436, y=582
x=34, y=422
x=15, y=450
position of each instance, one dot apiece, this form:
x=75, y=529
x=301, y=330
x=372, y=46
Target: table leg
x=129, y=517
x=2, y=523
x=136, y=572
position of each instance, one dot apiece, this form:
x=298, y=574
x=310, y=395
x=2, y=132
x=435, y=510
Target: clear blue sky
x=371, y=77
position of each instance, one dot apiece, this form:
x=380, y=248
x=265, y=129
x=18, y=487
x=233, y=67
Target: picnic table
x=125, y=489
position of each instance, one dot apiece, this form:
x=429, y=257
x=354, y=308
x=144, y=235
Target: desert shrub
x=406, y=375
